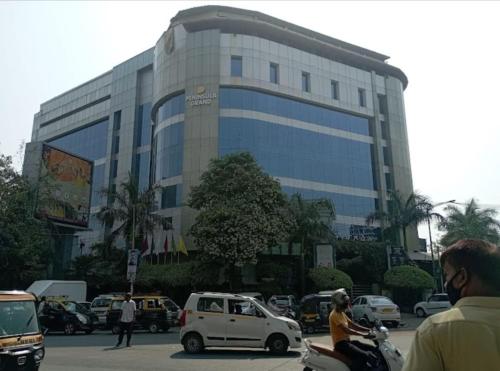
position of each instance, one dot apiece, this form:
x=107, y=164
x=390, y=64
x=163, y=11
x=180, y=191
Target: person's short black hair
x=478, y=257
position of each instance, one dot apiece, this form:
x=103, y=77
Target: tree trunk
x=404, y=239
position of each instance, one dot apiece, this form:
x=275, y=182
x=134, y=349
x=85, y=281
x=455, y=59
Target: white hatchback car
x=435, y=304
x=368, y=308
x=231, y=320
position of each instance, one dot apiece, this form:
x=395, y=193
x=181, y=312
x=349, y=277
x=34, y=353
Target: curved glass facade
x=251, y=100
x=297, y=153
x=173, y=106
x=169, y=151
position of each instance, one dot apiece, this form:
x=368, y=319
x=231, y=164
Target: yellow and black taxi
x=154, y=313
x=21, y=339
x=59, y=314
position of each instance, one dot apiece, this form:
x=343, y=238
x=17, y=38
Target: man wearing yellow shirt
x=466, y=337
x=341, y=327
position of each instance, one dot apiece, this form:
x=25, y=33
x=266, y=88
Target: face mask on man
x=454, y=294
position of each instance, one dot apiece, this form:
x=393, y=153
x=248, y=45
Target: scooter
x=321, y=357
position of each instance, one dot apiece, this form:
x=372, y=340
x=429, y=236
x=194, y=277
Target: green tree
x=472, y=222
x=312, y=224
x=131, y=207
x=25, y=247
x=242, y=212
x=364, y=261
x=325, y=278
x=402, y=213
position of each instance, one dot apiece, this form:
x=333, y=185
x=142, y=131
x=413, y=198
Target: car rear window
x=210, y=305
x=97, y=303
x=381, y=301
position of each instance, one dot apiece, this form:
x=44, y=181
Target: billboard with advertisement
x=65, y=187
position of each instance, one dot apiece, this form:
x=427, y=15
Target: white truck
x=70, y=290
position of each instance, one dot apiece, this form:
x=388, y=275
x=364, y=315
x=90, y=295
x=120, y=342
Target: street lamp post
x=430, y=242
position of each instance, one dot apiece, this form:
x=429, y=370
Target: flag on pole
x=153, y=248
x=173, y=249
x=144, y=246
x=182, y=246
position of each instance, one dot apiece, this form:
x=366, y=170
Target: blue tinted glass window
x=117, y=120
x=116, y=144
x=171, y=107
x=169, y=196
x=296, y=153
x=236, y=66
x=335, y=89
x=144, y=125
x=141, y=171
x=90, y=142
x=306, y=82
x=250, y=100
x=362, y=97
x=274, y=73
x=97, y=186
x=169, y=151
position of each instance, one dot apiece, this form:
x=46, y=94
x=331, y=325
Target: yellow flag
x=182, y=247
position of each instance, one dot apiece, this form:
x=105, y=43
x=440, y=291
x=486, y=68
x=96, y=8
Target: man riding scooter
x=341, y=327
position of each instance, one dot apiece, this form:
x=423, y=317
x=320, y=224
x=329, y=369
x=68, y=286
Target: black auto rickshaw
x=314, y=312
x=21, y=339
x=154, y=313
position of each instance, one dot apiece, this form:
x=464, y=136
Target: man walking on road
x=466, y=337
x=127, y=319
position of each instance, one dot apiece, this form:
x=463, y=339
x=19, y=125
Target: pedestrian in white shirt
x=127, y=319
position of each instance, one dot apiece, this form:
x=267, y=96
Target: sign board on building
x=324, y=256
x=133, y=262
x=64, y=187
x=201, y=98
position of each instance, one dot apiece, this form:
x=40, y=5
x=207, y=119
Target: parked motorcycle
x=321, y=357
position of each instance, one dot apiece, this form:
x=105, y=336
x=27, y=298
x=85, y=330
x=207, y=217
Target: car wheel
x=278, y=344
x=307, y=369
x=153, y=327
x=420, y=312
x=89, y=331
x=69, y=329
x=395, y=324
x=115, y=330
x=193, y=343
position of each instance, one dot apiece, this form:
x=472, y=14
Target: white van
x=232, y=320
x=100, y=306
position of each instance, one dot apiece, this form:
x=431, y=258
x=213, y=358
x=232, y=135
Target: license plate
x=387, y=310
x=21, y=360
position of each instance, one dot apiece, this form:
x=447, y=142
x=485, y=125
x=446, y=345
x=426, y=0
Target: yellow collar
x=479, y=301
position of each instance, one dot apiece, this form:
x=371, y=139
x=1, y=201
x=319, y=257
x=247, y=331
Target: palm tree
x=404, y=212
x=312, y=223
x=132, y=210
x=472, y=222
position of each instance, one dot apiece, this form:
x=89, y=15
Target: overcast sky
x=449, y=51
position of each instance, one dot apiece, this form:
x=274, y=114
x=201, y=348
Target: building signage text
x=201, y=97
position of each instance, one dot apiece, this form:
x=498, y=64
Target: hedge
x=406, y=276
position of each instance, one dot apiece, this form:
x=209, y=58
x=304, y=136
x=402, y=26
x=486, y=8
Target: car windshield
x=18, y=317
x=381, y=301
x=73, y=307
x=101, y=303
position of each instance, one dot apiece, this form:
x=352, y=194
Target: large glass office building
x=324, y=117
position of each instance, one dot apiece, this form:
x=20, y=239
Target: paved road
x=163, y=352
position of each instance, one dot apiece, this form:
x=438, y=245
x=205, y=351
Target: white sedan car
x=435, y=304
x=368, y=308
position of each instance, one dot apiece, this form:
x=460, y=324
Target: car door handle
x=201, y=317
x=232, y=320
